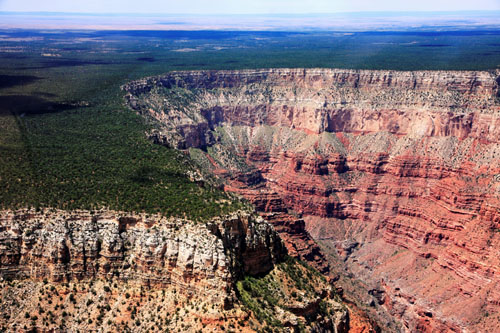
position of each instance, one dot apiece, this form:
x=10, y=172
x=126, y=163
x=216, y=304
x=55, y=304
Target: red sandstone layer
x=397, y=171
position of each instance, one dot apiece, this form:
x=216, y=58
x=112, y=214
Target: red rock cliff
x=398, y=172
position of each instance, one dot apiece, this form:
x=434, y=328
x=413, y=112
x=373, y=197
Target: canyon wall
x=65, y=246
x=388, y=178
x=118, y=271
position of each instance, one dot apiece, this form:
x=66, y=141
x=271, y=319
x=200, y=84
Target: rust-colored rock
x=398, y=171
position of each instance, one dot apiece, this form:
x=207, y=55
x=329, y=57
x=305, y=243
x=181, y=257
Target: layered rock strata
x=153, y=251
x=397, y=172
x=134, y=272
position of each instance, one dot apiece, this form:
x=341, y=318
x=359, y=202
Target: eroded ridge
x=118, y=271
x=395, y=174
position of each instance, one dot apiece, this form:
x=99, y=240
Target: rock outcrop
x=398, y=172
x=118, y=271
x=200, y=259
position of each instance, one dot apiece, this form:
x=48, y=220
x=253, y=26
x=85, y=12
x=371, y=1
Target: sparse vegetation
x=291, y=284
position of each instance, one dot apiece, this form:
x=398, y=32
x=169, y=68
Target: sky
x=242, y=7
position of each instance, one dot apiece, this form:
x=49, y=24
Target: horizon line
x=483, y=11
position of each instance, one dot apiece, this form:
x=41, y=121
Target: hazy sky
x=242, y=6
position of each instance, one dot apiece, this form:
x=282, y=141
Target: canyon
x=387, y=182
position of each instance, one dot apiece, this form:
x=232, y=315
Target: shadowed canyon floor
x=387, y=181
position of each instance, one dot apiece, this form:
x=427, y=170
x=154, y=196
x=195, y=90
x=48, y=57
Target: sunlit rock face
x=200, y=259
x=394, y=176
x=119, y=271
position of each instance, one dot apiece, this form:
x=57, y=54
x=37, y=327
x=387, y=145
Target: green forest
x=68, y=141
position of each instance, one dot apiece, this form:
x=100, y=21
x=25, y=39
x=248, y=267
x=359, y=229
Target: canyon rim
x=277, y=172
x=387, y=182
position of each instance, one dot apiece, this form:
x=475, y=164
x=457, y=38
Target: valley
x=391, y=175
x=235, y=180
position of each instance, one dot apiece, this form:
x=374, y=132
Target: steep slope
x=115, y=271
x=394, y=174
